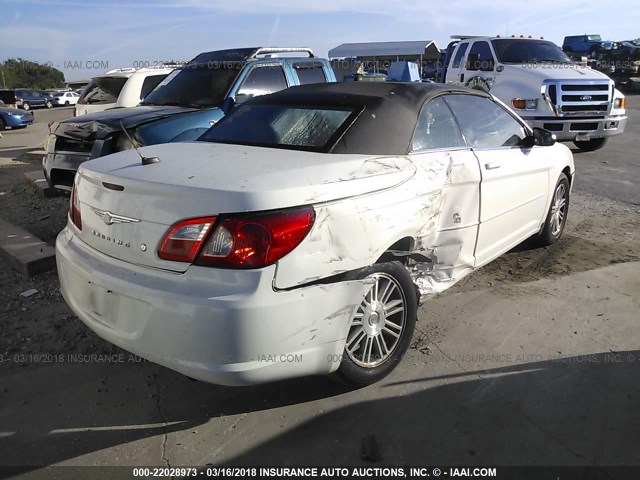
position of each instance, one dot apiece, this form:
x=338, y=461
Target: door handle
x=461, y=77
x=492, y=165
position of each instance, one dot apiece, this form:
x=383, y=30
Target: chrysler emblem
x=110, y=218
x=586, y=98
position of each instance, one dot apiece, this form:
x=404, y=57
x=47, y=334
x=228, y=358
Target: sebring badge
x=110, y=218
x=116, y=241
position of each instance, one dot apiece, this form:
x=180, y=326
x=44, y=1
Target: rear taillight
x=252, y=241
x=184, y=239
x=256, y=241
x=74, y=208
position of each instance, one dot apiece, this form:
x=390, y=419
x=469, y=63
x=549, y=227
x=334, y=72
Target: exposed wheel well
x=567, y=172
x=398, y=251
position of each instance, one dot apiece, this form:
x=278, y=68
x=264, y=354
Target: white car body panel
x=515, y=186
x=124, y=305
x=246, y=326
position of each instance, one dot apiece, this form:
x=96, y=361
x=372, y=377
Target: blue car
x=14, y=118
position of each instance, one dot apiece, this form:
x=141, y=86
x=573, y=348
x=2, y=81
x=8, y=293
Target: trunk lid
x=128, y=207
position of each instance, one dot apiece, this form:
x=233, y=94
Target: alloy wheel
x=558, y=210
x=378, y=322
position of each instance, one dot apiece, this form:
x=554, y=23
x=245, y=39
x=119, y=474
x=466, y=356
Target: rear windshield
x=103, y=90
x=195, y=85
x=527, y=51
x=282, y=126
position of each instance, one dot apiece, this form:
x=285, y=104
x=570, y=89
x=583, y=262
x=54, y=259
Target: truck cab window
x=459, y=54
x=480, y=57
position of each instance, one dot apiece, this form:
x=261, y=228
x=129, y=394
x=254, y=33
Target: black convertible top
x=389, y=111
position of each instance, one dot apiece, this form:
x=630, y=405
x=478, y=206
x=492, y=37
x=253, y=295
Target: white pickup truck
x=545, y=87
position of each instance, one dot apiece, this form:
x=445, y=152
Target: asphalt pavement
x=15, y=143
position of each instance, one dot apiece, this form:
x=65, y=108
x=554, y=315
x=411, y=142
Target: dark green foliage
x=18, y=72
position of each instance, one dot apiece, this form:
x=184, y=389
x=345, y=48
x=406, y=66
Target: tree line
x=18, y=72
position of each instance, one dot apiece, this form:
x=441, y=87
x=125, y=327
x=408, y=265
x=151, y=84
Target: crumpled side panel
x=437, y=209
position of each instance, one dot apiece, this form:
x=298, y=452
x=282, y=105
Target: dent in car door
x=515, y=180
x=437, y=135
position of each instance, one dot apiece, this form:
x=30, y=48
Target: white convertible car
x=299, y=235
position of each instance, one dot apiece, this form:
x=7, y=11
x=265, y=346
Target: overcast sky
x=98, y=33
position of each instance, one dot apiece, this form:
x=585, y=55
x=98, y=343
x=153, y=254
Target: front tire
x=2, y=124
x=590, y=145
x=66, y=104
x=381, y=326
x=48, y=104
x=557, y=214
x=26, y=106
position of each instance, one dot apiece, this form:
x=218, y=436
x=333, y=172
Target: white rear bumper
x=222, y=326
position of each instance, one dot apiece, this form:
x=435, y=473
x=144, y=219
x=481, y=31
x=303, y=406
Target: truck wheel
x=557, y=215
x=593, y=52
x=590, y=145
x=381, y=326
x=26, y=106
x=48, y=104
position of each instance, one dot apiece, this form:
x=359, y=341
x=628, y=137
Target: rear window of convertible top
x=282, y=126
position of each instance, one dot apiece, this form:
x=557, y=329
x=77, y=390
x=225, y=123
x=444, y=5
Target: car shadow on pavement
x=575, y=411
x=62, y=411
x=568, y=411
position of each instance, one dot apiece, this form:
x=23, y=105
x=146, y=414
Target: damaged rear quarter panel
x=354, y=233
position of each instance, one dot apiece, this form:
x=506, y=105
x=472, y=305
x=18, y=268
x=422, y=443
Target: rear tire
x=2, y=124
x=381, y=326
x=590, y=145
x=557, y=214
x=66, y=104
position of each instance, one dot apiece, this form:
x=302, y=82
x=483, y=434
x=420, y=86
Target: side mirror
x=228, y=105
x=540, y=137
